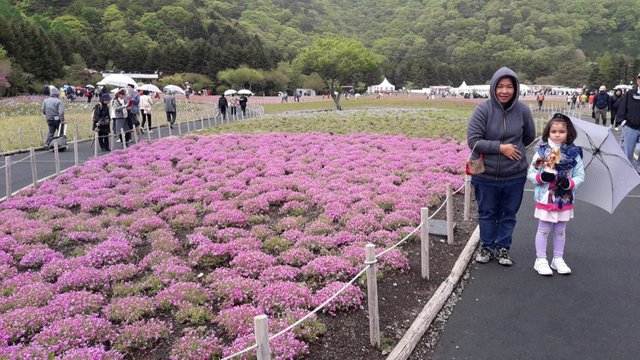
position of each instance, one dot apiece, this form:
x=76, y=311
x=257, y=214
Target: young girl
x=556, y=169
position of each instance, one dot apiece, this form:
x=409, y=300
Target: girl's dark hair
x=564, y=119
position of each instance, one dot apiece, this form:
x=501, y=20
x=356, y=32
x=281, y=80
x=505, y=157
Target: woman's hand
x=510, y=151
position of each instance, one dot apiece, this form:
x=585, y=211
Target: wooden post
x=56, y=157
x=188, y=127
x=95, y=144
x=180, y=129
x=76, y=131
x=76, y=158
x=170, y=132
x=201, y=122
x=7, y=174
x=134, y=132
x=467, y=197
x=449, y=215
x=261, y=328
x=209, y=120
x=424, y=242
x=112, y=140
x=372, y=295
x=20, y=138
x=148, y=132
x=158, y=128
x=123, y=138
x=41, y=136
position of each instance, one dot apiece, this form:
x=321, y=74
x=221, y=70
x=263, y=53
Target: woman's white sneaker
x=560, y=266
x=542, y=267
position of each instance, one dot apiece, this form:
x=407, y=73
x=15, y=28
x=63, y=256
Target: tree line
x=422, y=42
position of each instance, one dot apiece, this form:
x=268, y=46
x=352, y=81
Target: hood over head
x=502, y=73
x=53, y=91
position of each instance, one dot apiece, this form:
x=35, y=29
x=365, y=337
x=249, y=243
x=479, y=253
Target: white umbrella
x=229, y=92
x=174, y=89
x=117, y=80
x=89, y=86
x=149, y=87
x=609, y=176
x=245, y=92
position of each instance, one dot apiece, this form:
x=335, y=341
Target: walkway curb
x=414, y=334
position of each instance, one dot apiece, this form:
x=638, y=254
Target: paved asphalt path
x=594, y=313
x=21, y=170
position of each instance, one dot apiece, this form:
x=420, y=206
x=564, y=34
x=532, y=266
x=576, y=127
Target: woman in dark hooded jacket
x=500, y=129
x=615, y=104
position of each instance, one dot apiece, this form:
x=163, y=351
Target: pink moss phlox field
x=98, y=262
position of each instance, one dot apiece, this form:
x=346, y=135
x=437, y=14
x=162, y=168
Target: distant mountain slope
x=425, y=41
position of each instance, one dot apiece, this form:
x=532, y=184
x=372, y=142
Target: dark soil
x=401, y=297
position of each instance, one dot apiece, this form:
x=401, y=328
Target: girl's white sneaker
x=542, y=267
x=560, y=266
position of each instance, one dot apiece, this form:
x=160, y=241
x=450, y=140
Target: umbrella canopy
x=89, y=86
x=117, y=80
x=229, y=92
x=174, y=89
x=245, y=92
x=609, y=176
x=149, y=87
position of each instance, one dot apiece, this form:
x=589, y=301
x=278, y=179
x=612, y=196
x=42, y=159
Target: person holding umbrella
x=119, y=114
x=243, y=104
x=500, y=129
x=557, y=170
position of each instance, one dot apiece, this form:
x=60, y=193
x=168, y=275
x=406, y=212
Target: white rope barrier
x=318, y=308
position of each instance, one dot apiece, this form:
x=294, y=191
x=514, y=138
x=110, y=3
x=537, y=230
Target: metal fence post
x=95, y=144
x=7, y=174
x=34, y=168
x=20, y=138
x=76, y=158
x=123, y=138
x=56, y=157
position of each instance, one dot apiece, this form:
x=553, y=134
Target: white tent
x=385, y=86
x=463, y=88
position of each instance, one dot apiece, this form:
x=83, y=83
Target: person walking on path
x=243, y=104
x=602, y=105
x=500, y=128
x=101, y=120
x=120, y=114
x=540, y=100
x=615, y=104
x=629, y=111
x=146, y=105
x=170, y=108
x=53, y=111
x=222, y=106
x=557, y=170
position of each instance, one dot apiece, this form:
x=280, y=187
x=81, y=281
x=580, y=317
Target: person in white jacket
x=146, y=103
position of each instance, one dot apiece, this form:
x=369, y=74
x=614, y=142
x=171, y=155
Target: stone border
x=412, y=337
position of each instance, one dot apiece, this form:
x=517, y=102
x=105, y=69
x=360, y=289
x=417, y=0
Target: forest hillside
x=424, y=42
